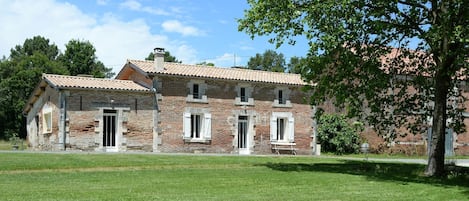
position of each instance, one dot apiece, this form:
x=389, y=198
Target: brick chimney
x=159, y=59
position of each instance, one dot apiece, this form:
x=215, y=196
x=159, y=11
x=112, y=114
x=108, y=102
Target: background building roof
x=237, y=74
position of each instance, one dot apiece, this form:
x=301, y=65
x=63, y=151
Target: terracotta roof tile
x=238, y=74
x=63, y=81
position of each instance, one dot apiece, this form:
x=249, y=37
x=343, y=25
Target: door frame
x=114, y=129
x=245, y=131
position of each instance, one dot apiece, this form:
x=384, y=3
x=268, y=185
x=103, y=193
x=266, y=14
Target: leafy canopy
x=392, y=63
x=19, y=75
x=80, y=58
x=21, y=72
x=337, y=135
x=268, y=61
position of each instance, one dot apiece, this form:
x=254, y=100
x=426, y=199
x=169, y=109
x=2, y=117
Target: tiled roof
x=63, y=81
x=237, y=74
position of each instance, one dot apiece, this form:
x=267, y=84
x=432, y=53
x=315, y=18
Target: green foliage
x=360, y=58
x=268, y=61
x=80, y=58
x=337, y=135
x=21, y=72
x=296, y=65
x=205, y=64
x=19, y=75
x=33, y=45
x=167, y=57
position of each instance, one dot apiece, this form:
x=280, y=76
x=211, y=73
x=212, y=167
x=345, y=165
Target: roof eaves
x=38, y=90
x=226, y=79
x=135, y=67
x=106, y=89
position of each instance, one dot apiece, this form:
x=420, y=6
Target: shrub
x=337, y=135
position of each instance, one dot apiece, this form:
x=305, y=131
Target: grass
x=7, y=145
x=67, y=176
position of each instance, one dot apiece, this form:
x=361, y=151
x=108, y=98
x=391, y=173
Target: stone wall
x=134, y=114
x=224, y=112
x=37, y=138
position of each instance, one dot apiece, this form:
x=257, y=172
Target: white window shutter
x=291, y=129
x=273, y=128
x=187, y=125
x=208, y=126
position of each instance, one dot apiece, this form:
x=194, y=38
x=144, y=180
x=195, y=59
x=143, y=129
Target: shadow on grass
x=396, y=172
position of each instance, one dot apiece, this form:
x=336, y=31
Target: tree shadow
x=379, y=171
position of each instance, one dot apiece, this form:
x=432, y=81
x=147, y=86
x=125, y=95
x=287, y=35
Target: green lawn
x=67, y=176
x=6, y=145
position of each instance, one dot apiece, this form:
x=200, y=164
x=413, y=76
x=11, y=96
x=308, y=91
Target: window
x=282, y=97
x=197, y=126
x=244, y=95
x=47, y=122
x=197, y=90
x=282, y=127
x=47, y=119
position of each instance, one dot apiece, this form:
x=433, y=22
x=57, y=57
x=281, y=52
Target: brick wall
x=221, y=97
x=134, y=110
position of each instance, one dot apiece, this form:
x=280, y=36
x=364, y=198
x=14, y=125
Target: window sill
x=191, y=99
x=287, y=104
x=238, y=102
x=282, y=105
x=200, y=141
x=47, y=132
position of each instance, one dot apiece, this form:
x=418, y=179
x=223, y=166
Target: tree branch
x=413, y=4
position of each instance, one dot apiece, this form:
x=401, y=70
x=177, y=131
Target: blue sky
x=192, y=30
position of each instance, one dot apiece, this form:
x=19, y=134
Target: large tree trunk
x=436, y=156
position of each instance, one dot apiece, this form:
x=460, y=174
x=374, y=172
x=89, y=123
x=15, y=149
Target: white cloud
x=102, y=2
x=185, y=53
x=137, y=6
x=178, y=27
x=115, y=40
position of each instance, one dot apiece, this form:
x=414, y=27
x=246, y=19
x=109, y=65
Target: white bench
x=284, y=146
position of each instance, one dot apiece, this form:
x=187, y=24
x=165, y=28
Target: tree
x=204, y=63
x=268, y=61
x=19, y=74
x=337, y=135
x=80, y=58
x=296, y=64
x=167, y=57
x=35, y=44
x=393, y=63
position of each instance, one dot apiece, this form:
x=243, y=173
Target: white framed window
x=197, y=126
x=282, y=97
x=197, y=89
x=244, y=95
x=282, y=127
x=47, y=119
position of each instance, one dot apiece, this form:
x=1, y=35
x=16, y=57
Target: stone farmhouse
x=156, y=106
